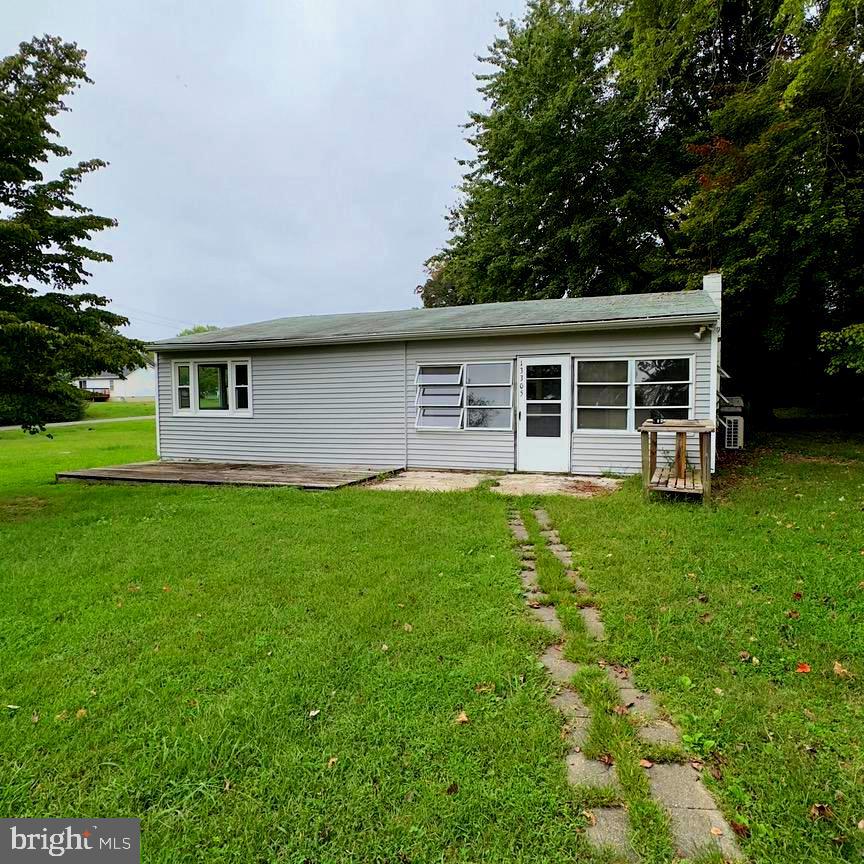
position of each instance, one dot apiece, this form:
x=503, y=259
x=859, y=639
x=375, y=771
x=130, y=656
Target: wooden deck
x=664, y=480
x=225, y=474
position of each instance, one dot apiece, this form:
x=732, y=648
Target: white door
x=543, y=414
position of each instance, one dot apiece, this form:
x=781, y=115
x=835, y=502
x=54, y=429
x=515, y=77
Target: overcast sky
x=267, y=158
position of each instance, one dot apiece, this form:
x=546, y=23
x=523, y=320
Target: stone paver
x=563, y=554
x=554, y=484
x=561, y=670
x=543, y=519
x=529, y=581
x=577, y=731
x=639, y=702
x=518, y=531
x=593, y=623
x=570, y=704
x=582, y=771
x=610, y=827
x=677, y=785
x=659, y=732
x=548, y=617
x=697, y=831
x=528, y=552
x=579, y=584
x=529, y=564
x=551, y=536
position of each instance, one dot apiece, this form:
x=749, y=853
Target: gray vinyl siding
x=354, y=405
x=591, y=452
x=326, y=406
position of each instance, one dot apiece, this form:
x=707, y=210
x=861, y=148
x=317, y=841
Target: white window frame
x=463, y=399
x=631, y=390
x=193, y=410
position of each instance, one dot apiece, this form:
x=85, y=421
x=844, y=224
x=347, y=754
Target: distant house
x=137, y=384
x=542, y=385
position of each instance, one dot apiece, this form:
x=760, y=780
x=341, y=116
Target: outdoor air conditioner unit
x=734, y=429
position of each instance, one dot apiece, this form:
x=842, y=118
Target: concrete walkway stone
x=551, y=536
x=518, y=530
x=577, y=731
x=569, y=703
x=579, y=585
x=659, y=732
x=593, y=623
x=697, y=825
x=548, y=617
x=561, y=670
x=610, y=827
x=529, y=581
x=563, y=554
x=543, y=519
x=582, y=771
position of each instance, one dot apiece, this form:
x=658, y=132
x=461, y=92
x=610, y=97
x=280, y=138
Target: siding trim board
x=354, y=404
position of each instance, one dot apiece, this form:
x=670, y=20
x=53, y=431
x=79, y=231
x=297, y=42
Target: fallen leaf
x=794, y=614
x=696, y=765
x=34, y=718
x=134, y=588
x=702, y=598
x=821, y=811
x=621, y=710
x=718, y=691
x=13, y=707
x=227, y=786
x=62, y=715
x=706, y=618
x=533, y=604
x=462, y=718
x=739, y=828
x=407, y=627
x=802, y=668
x=754, y=661
x=797, y=595
x=487, y=687
x=166, y=587
x=717, y=832
x=861, y=825
x=385, y=647
x=452, y=789
x=81, y=713
x=840, y=671
x=332, y=761
x=314, y=712
x=606, y=759
x=590, y=818
x=744, y=656
x=646, y=763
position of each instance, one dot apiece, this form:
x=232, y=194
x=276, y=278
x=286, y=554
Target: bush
x=63, y=403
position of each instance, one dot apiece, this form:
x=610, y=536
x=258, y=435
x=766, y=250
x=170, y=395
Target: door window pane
x=543, y=408
x=488, y=373
x=551, y=371
x=663, y=370
x=662, y=394
x=489, y=418
x=598, y=394
x=543, y=426
x=602, y=371
x=601, y=418
x=644, y=414
x=213, y=387
x=548, y=388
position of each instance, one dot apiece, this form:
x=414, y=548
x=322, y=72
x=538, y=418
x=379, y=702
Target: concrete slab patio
x=419, y=480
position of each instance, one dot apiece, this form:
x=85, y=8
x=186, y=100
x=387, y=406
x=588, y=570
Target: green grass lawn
x=271, y=675
x=213, y=659
x=111, y=409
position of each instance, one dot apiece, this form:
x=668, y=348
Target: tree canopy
x=50, y=330
x=631, y=147
x=198, y=328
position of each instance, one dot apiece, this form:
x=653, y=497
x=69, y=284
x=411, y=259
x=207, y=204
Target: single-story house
x=540, y=385
x=133, y=384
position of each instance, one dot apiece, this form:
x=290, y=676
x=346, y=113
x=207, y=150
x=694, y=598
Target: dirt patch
x=17, y=509
x=555, y=484
x=432, y=481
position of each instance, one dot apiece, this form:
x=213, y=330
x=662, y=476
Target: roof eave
x=515, y=329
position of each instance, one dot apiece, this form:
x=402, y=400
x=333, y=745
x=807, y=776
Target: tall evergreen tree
x=630, y=147
x=50, y=331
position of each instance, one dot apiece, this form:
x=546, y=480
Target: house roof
x=620, y=310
